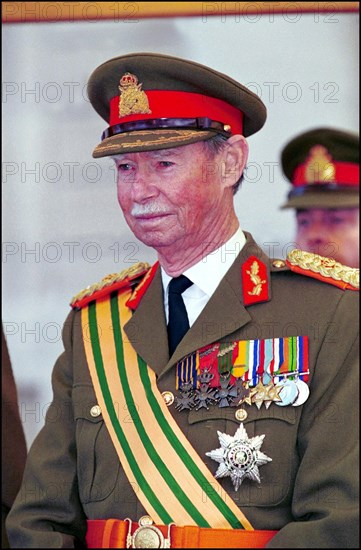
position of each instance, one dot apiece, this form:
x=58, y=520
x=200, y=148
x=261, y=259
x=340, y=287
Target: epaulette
x=109, y=283
x=323, y=269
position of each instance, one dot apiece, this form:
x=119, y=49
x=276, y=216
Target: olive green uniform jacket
x=13, y=445
x=309, y=492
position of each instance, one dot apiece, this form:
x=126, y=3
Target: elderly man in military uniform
x=323, y=166
x=208, y=400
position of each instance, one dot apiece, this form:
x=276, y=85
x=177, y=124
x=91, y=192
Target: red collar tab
x=141, y=289
x=164, y=104
x=255, y=282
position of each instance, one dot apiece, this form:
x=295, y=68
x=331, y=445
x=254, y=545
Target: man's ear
x=234, y=158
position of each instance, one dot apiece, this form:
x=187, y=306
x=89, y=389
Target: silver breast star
x=239, y=456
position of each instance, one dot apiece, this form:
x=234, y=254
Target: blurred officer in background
x=323, y=167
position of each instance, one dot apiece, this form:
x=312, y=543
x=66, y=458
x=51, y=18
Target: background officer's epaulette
x=323, y=269
x=109, y=283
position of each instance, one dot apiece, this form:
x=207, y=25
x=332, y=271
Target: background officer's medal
x=239, y=456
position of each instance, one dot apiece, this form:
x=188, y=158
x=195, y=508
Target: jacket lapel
x=147, y=330
x=223, y=315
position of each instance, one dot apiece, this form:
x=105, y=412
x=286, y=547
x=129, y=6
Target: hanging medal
x=252, y=372
x=302, y=364
x=272, y=393
x=227, y=391
x=303, y=392
x=288, y=391
x=240, y=370
x=186, y=382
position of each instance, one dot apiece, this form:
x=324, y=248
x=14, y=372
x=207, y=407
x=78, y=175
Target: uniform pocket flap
x=252, y=414
x=85, y=404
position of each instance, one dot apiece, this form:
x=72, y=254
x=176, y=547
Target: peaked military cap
x=152, y=101
x=323, y=166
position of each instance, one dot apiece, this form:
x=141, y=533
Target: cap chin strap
x=202, y=123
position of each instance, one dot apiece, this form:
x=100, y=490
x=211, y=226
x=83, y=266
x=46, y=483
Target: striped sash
x=169, y=477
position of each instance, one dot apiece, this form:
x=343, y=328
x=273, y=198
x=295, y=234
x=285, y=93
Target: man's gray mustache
x=145, y=209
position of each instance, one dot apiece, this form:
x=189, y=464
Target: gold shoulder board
x=324, y=269
x=108, y=282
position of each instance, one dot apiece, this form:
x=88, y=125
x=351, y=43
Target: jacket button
x=168, y=397
x=95, y=411
x=241, y=414
x=278, y=263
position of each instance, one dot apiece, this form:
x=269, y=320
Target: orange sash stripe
x=112, y=533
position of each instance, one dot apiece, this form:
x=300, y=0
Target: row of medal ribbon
x=259, y=372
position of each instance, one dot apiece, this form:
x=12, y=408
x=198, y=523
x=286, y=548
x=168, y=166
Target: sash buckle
x=147, y=535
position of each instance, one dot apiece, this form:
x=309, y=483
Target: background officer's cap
x=153, y=101
x=323, y=166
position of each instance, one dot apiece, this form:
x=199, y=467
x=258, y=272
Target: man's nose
x=143, y=184
x=317, y=233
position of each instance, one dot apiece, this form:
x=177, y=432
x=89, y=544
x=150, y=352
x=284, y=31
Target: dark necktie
x=178, y=319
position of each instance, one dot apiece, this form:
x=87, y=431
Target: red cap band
x=173, y=104
x=344, y=173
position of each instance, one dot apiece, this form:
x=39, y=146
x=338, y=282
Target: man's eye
x=124, y=167
x=165, y=163
x=302, y=222
x=336, y=220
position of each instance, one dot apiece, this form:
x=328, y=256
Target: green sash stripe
x=94, y=336
x=148, y=445
x=176, y=444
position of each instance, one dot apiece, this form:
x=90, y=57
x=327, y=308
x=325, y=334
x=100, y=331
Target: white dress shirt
x=206, y=276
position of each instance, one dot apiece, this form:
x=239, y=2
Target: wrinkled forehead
x=175, y=152
x=352, y=212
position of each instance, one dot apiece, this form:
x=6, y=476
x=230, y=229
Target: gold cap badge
x=319, y=166
x=132, y=100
